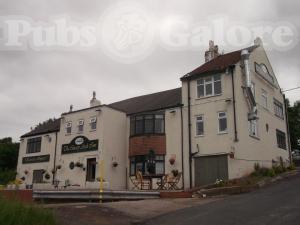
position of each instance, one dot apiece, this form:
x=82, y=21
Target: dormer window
x=69, y=127
x=209, y=86
x=80, y=126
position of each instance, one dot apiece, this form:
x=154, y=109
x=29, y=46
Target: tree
x=294, y=123
x=8, y=160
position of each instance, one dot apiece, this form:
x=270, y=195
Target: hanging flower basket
x=172, y=161
x=115, y=164
x=26, y=172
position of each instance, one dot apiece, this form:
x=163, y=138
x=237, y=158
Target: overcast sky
x=37, y=85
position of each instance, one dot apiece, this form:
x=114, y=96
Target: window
x=281, y=140
x=147, y=124
x=253, y=128
x=37, y=176
x=34, y=145
x=199, y=126
x=69, y=127
x=93, y=123
x=278, y=109
x=141, y=162
x=159, y=124
x=209, y=86
x=222, y=117
x=264, y=98
x=80, y=126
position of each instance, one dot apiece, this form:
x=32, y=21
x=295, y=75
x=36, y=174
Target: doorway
x=91, y=170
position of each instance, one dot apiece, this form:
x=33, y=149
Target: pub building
x=228, y=115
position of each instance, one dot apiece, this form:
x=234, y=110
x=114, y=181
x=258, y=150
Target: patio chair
x=173, y=184
x=135, y=182
x=144, y=184
x=161, y=184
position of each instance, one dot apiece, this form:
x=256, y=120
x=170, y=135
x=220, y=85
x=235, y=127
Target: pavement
x=278, y=204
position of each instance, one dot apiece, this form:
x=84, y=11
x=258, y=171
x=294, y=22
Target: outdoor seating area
x=156, y=182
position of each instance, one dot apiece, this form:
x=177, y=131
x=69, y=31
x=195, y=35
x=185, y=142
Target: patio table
x=151, y=177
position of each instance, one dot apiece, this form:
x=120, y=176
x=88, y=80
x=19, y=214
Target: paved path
x=278, y=204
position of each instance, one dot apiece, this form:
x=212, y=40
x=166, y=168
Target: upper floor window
x=93, y=123
x=253, y=131
x=199, y=125
x=222, y=117
x=209, y=86
x=80, y=126
x=278, y=109
x=147, y=124
x=281, y=139
x=69, y=127
x=34, y=145
x=264, y=98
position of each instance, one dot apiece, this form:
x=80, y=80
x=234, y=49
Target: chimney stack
x=213, y=51
x=94, y=102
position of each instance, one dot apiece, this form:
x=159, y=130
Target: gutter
x=189, y=134
x=182, y=151
x=287, y=129
x=232, y=67
x=54, y=163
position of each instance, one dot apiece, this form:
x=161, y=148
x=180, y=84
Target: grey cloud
x=35, y=86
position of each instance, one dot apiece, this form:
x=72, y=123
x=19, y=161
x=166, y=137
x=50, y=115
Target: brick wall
x=20, y=195
x=141, y=145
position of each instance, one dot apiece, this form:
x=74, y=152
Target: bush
x=291, y=167
x=7, y=176
x=15, y=213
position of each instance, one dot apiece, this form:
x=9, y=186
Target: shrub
x=7, y=176
x=291, y=167
x=15, y=213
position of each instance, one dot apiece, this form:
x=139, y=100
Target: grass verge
x=13, y=212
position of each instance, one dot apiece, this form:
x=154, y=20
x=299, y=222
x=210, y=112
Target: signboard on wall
x=80, y=144
x=36, y=159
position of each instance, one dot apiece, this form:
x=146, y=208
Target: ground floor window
x=146, y=165
x=281, y=139
x=37, y=176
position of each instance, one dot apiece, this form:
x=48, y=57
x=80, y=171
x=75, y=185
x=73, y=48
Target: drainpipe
x=182, y=155
x=231, y=68
x=245, y=57
x=54, y=163
x=287, y=129
x=189, y=133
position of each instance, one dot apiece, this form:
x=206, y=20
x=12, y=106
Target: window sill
x=93, y=130
x=153, y=134
x=224, y=132
x=68, y=134
x=204, y=97
x=279, y=117
x=255, y=137
x=199, y=136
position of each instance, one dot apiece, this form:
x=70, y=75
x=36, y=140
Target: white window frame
x=202, y=82
x=93, y=120
x=80, y=123
x=69, y=125
x=251, y=122
x=264, y=98
x=202, y=121
x=278, y=109
x=222, y=117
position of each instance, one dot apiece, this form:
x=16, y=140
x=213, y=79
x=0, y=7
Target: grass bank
x=16, y=213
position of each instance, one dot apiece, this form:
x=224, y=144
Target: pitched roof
x=150, y=102
x=218, y=64
x=48, y=126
